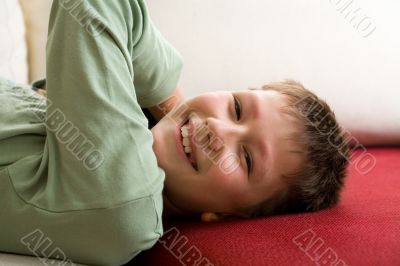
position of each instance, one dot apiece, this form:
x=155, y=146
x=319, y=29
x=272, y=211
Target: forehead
x=267, y=108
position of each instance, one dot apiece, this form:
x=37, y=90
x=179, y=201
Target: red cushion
x=363, y=229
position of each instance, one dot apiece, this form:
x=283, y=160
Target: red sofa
x=363, y=229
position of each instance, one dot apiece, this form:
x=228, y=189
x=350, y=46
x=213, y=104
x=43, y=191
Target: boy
x=85, y=171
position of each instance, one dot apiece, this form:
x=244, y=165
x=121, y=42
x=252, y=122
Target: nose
x=222, y=132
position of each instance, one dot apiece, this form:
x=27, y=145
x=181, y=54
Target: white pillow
x=36, y=14
x=13, y=62
x=347, y=52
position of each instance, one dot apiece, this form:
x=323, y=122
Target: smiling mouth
x=188, y=150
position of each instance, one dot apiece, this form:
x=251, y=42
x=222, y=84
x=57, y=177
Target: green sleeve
x=91, y=94
x=157, y=65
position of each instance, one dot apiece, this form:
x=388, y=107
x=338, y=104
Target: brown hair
x=318, y=183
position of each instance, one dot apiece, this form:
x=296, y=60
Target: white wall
x=232, y=44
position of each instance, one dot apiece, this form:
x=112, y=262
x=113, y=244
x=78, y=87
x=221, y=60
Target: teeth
x=186, y=144
x=186, y=141
x=185, y=131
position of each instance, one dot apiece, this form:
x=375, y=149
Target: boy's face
x=221, y=182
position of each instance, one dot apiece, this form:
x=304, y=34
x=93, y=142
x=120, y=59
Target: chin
x=159, y=144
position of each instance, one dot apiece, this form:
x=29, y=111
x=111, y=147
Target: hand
x=41, y=92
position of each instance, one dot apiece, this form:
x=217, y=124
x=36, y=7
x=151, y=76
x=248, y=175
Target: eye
x=249, y=161
x=238, y=109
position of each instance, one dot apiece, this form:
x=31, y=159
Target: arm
x=100, y=160
x=160, y=110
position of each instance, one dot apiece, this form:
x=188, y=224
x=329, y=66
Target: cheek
x=232, y=184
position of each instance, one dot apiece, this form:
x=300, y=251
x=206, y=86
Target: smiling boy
x=280, y=154
x=98, y=85
x=246, y=124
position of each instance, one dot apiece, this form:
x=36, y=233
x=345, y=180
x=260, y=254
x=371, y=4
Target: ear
x=215, y=217
x=210, y=217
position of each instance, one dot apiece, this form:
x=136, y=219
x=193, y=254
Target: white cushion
x=353, y=63
x=13, y=62
x=36, y=15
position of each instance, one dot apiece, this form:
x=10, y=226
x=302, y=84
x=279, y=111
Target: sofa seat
x=364, y=229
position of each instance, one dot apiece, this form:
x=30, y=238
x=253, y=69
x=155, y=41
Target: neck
x=170, y=210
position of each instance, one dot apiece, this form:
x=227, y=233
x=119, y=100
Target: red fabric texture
x=363, y=229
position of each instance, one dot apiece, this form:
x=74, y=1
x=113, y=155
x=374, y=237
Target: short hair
x=319, y=181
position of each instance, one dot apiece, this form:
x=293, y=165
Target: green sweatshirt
x=79, y=180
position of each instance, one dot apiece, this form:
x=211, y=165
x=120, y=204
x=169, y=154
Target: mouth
x=188, y=157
